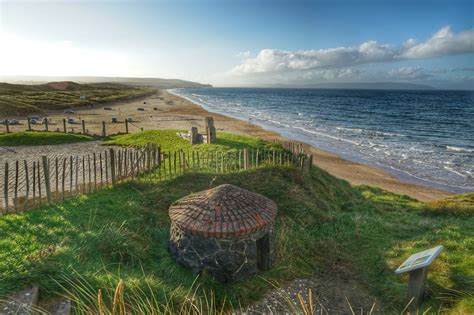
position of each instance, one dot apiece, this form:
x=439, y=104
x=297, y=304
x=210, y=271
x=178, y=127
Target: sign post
x=417, y=265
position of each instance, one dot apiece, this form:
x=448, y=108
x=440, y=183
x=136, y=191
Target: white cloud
x=442, y=43
x=408, y=73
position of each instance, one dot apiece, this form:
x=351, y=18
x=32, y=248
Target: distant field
x=20, y=100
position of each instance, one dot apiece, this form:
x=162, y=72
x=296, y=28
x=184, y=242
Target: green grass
x=19, y=99
x=323, y=226
x=169, y=141
x=41, y=138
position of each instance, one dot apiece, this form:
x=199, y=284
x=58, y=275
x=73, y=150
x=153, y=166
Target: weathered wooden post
x=210, y=130
x=64, y=125
x=417, y=265
x=112, y=165
x=193, y=135
x=126, y=125
x=307, y=162
x=47, y=182
x=46, y=124
x=103, y=128
x=7, y=126
x=29, y=124
x=83, y=127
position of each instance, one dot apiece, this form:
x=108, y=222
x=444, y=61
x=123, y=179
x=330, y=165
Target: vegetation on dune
x=460, y=205
x=41, y=138
x=324, y=226
x=169, y=141
x=19, y=99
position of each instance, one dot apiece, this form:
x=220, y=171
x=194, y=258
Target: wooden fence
x=27, y=184
x=78, y=126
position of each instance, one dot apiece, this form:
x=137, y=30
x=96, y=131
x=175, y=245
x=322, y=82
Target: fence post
x=47, y=182
x=15, y=196
x=27, y=184
x=112, y=164
x=83, y=127
x=5, y=187
x=103, y=128
x=46, y=124
x=7, y=125
x=29, y=124
x=64, y=125
x=126, y=125
x=246, y=158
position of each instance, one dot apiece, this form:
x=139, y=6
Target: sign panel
x=420, y=260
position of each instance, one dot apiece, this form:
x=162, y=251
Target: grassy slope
x=168, y=141
x=18, y=99
x=324, y=225
x=41, y=138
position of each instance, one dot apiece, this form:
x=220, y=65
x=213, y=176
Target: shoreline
x=289, y=133
x=165, y=110
x=354, y=172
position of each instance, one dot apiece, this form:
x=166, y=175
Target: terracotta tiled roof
x=223, y=211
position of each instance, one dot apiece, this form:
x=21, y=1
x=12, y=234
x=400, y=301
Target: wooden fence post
x=64, y=125
x=29, y=124
x=246, y=158
x=15, y=196
x=126, y=125
x=83, y=127
x=63, y=179
x=103, y=129
x=47, y=182
x=112, y=164
x=7, y=125
x=46, y=124
x=27, y=184
x=5, y=187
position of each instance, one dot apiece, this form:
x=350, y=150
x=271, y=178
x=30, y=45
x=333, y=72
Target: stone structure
x=225, y=231
x=210, y=130
x=194, y=135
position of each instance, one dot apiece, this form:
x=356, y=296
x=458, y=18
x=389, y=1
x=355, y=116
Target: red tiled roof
x=223, y=211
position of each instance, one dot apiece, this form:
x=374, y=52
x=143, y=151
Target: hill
x=24, y=99
x=151, y=82
x=324, y=227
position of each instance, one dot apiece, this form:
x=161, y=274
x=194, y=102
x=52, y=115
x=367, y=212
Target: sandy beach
x=165, y=110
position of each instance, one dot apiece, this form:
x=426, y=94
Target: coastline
x=353, y=172
x=165, y=110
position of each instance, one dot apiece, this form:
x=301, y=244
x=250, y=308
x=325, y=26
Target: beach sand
x=165, y=110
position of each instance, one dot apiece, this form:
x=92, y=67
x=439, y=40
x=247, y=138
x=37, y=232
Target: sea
x=423, y=137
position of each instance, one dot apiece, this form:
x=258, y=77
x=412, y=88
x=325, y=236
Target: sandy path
x=164, y=110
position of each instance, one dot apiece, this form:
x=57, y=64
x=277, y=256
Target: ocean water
x=426, y=137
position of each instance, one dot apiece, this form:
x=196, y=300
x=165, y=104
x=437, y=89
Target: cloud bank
x=275, y=61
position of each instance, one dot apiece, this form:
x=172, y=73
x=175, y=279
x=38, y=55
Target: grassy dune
x=41, y=138
x=18, y=99
x=323, y=226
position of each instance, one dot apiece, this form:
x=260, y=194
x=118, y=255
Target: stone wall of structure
x=225, y=259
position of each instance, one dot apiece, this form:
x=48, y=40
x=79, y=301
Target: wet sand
x=165, y=110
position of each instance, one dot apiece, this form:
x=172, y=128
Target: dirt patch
x=330, y=294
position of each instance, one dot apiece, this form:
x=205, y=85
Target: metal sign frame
x=420, y=260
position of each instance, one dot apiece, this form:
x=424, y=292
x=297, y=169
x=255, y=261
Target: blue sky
x=243, y=42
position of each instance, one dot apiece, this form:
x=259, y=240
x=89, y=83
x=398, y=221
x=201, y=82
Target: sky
x=243, y=42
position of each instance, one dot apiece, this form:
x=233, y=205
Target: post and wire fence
x=25, y=184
